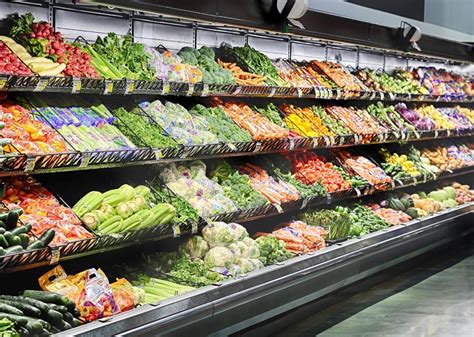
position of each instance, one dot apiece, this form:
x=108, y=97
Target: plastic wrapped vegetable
x=218, y=234
x=196, y=247
x=245, y=265
x=249, y=248
x=220, y=257
x=240, y=232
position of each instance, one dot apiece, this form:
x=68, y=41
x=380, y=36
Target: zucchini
x=59, y=308
x=38, y=304
x=2, y=230
x=47, y=297
x=27, y=309
x=24, y=240
x=20, y=320
x=8, y=309
x=3, y=241
x=14, y=240
x=20, y=230
x=47, y=237
x=14, y=249
x=35, y=245
x=2, y=251
x=33, y=325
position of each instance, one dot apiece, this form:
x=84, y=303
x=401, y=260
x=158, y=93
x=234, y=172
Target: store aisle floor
x=435, y=300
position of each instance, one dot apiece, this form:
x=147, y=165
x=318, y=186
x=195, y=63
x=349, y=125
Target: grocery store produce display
x=305, y=186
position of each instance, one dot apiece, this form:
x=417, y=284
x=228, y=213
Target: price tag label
x=176, y=231
x=205, y=90
x=415, y=181
x=399, y=182
x=358, y=193
x=76, y=85
x=448, y=133
x=55, y=255
x=438, y=98
x=382, y=96
x=304, y=203
x=409, y=96
x=231, y=146
x=373, y=95
x=317, y=93
x=108, y=87
x=332, y=140
x=436, y=134
x=257, y=147
x=186, y=151
x=158, y=154
x=315, y=142
x=328, y=198
x=194, y=228
x=299, y=92
x=292, y=144
x=402, y=135
x=278, y=208
x=391, y=95
x=30, y=164
x=42, y=84
x=238, y=90
x=190, y=91
x=165, y=89
x=129, y=87
x=342, y=140
x=417, y=134
x=85, y=159
x=327, y=141
x=338, y=93
x=3, y=83
x=272, y=92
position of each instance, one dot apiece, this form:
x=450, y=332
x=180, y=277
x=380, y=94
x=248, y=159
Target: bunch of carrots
x=275, y=191
x=365, y=168
x=242, y=77
x=259, y=127
x=310, y=169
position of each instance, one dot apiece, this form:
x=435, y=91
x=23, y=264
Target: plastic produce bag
x=218, y=234
x=196, y=247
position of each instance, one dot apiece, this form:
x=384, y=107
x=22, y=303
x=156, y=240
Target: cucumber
x=14, y=240
x=45, y=324
x=75, y=322
x=3, y=241
x=8, y=309
x=11, y=220
x=25, y=239
x=47, y=297
x=38, y=304
x=47, y=237
x=68, y=317
x=59, y=308
x=36, y=245
x=20, y=320
x=33, y=325
x=2, y=251
x=2, y=227
x=53, y=316
x=20, y=230
x=7, y=235
x=14, y=249
x=62, y=325
x=3, y=216
x=27, y=309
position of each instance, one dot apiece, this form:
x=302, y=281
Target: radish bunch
x=40, y=39
x=10, y=63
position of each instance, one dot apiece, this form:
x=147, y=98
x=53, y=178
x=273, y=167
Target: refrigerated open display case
x=203, y=175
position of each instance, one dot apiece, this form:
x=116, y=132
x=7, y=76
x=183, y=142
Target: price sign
x=129, y=87
x=315, y=142
x=165, y=89
x=278, y=208
x=194, y=228
x=272, y=92
x=358, y=193
x=448, y=133
x=329, y=198
x=190, y=91
x=85, y=159
x=3, y=83
x=158, y=154
x=292, y=144
x=231, y=146
x=436, y=134
x=55, y=255
x=409, y=96
x=41, y=86
x=205, y=90
x=257, y=147
x=338, y=93
x=317, y=93
x=108, y=87
x=176, y=231
x=238, y=90
x=373, y=95
x=30, y=164
x=391, y=95
x=304, y=203
x=76, y=85
x=382, y=96
x=299, y=92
